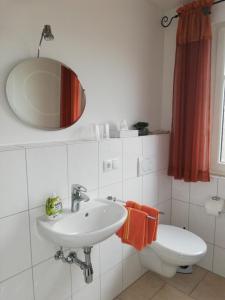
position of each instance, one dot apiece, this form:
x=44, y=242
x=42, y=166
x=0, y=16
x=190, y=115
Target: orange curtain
x=70, y=106
x=190, y=134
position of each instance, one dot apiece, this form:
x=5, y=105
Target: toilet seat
x=178, y=245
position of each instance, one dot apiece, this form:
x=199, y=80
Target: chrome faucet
x=77, y=195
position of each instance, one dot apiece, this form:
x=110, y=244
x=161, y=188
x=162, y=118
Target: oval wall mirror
x=45, y=93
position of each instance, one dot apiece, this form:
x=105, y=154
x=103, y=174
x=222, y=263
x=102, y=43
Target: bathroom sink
x=94, y=223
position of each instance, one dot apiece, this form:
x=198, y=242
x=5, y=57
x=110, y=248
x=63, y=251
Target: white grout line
x=28, y=198
x=15, y=275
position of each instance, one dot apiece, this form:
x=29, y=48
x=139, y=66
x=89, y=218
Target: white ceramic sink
x=92, y=224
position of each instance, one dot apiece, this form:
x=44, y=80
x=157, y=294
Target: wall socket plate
x=107, y=165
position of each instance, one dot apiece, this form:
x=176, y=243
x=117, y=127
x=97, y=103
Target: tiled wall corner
x=188, y=211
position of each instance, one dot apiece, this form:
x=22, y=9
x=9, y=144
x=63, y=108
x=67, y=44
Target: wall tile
x=150, y=189
x=41, y=248
x=132, y=189
x=77, y=275
x=114, y=190
x=19, y=287
x=13, y=185
x=218, y=262
x=202, y=224
x=156, y=148
x=132, y=270
x=180, y=190
x=207, y=261
x=156, y=188
x=150, y=145
x=111, y=149
x=164, y=141
x=47, y=173
x=111, y=283
x=180, y=212
x=128, y=251
x=165, y=187
x=221, y=187
x=220, y=231
x=52, y=280
x=110, y=253
x=15, y=245
x=200, y=192
x=90, y=291
x=132, y=149
x=165, y=207
x=83, y=165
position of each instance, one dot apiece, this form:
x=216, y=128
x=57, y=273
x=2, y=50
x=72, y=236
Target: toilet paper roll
x=214, y=207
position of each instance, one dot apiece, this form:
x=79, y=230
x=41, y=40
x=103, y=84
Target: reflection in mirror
x=45, y=93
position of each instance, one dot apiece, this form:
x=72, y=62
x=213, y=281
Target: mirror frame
x=12, y=107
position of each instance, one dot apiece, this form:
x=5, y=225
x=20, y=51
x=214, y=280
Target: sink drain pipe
x=85, y=266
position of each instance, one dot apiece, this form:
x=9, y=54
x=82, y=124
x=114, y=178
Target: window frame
x=218, y=97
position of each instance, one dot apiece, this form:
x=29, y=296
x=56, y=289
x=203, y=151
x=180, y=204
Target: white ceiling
x=168, y=4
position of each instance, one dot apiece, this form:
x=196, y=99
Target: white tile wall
x=112, y=283
x=201, y=223
x=52, y=281
x=190, y=213
x=19, y=287
x=220, y=231
x=114, y=190
x=91, y=291
x=207, y=261
x=180, y=213
x=13, y=183
x=165, y=207
x=133, y=189
x=109, y=258
x=132, y=270
x=218, y=262
x=83, y=165
x=132, y=150
x=15, y=254
x=47, y=173
x=41, y=248
x=110, y=150
x=47, y=168
x=53, y=168
x=180, y=190
x=200, y=192
x=151, y=189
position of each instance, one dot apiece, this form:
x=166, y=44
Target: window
x=218, y=96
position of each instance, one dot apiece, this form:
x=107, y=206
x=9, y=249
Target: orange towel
x=138, y=230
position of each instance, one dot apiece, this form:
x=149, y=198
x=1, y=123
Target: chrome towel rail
x=114, y=199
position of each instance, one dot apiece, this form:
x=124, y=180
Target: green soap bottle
x=53, y=207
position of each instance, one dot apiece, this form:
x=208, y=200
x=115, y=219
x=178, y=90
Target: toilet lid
x=180, y=240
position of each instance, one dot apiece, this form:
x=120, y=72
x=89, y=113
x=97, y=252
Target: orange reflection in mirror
x=71, y=98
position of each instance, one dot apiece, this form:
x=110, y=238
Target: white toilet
x=174, y=247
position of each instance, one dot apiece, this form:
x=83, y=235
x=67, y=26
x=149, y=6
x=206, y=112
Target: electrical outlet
x=107, y=165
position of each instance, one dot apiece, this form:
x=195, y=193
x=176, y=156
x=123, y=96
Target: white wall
x=28, y=174
x=114, y=46
x=218, y=16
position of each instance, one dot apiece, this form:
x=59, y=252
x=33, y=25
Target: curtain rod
x=165, y=22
